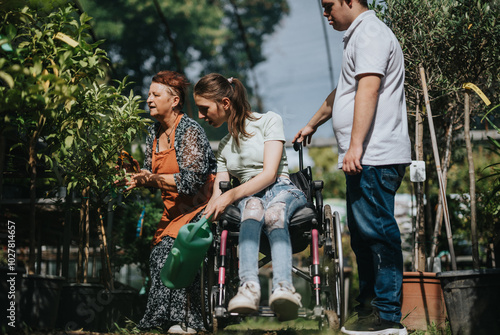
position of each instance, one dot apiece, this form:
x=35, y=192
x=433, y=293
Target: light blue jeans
x=272, y=209
x=375, y=238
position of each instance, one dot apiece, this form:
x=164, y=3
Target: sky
x=295, y=78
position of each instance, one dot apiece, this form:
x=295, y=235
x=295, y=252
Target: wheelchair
x=314, y=226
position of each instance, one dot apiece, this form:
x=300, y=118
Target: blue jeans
x=375, y=238
x=272, y=209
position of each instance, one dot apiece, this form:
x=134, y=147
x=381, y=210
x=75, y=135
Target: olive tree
x=54, y=93
x=457, y=42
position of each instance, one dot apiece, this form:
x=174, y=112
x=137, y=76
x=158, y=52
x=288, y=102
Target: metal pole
x=329, y=57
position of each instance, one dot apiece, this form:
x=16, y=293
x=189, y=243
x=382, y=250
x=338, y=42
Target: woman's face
x=212, y=112
x=161, y=100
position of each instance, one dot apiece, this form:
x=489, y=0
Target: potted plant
x=464, y=56
x=53, y=92
x=472, y=295
x=38, y=72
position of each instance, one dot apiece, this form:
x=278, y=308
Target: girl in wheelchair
x=253, y=153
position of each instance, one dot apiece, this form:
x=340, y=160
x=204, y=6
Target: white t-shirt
x=247, y=160
x=371, y=47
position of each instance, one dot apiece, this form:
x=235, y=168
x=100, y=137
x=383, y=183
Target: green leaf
x=68, y=141
x=7, y=78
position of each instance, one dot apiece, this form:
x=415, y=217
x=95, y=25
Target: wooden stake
x=437, y=160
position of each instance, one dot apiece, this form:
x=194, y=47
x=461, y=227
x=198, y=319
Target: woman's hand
x=127, y=163
x=133, y=180
x=132, y=167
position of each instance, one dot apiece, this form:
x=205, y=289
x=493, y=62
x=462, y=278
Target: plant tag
x=417, y=171
x=65, y=38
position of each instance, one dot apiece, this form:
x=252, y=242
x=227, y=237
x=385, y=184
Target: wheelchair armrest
x=224, y=186
x=318, y=188
x=318, y=185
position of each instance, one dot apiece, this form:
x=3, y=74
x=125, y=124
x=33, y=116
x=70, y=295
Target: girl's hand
x=216, y=206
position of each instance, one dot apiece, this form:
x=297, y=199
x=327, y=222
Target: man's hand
x=351, y=164
x=304, y=135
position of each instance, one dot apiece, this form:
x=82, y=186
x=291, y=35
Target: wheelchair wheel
x=339, y=267
x=207, y=282
x=330, y=321
x=333, y=265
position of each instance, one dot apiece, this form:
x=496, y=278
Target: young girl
x=253, y=152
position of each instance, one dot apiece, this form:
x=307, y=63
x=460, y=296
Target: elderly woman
x=180, y=162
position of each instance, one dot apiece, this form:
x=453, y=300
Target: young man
x=368, y=111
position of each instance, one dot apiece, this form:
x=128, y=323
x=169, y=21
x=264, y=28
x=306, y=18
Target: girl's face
x=212, y=112
x=161, y=101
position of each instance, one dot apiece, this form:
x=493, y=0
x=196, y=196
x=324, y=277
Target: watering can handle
x=175, y=263
x=202, y=222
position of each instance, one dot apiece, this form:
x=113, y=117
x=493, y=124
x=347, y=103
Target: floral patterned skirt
x=167, y=307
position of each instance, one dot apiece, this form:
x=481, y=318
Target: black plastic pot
x=40, y=300
x=11, y=283
x=124, y=305
x=83, y=306
x=472, y=299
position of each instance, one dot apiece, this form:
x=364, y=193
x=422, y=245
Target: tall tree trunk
x=419, y=252
x=106, y=263
x=2, y=162
x=67, y=234
x=83, y=233
x=33, y=175
x=33, y=235
x=472, y=183
x=87, y=236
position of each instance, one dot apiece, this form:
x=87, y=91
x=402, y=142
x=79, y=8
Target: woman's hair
x=176, y=82
x=216, y=87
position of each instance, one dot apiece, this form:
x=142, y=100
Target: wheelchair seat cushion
x=300, y=223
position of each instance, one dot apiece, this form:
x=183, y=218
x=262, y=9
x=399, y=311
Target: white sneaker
x=247, y=300
x=285, y=302
x=181, y=329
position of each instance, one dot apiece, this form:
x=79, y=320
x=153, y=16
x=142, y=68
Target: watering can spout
x=187, y=254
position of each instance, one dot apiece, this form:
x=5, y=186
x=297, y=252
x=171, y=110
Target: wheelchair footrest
x=266, y=311
x=219, y=312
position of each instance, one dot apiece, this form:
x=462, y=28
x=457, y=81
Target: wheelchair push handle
x=298, y=146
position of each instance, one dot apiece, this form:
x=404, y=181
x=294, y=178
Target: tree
x=58, y=105
x=45, y=73
x=102, y=121
x=190, y=36
x=325, y=168
x=457, y=42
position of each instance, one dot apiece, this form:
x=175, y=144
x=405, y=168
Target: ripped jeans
x=272, y=208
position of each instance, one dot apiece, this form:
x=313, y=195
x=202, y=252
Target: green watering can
x=187, y=254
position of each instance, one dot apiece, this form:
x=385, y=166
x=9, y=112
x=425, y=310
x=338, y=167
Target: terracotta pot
x=422, y=301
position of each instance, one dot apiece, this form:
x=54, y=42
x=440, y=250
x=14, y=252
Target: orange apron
x=178, y=209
